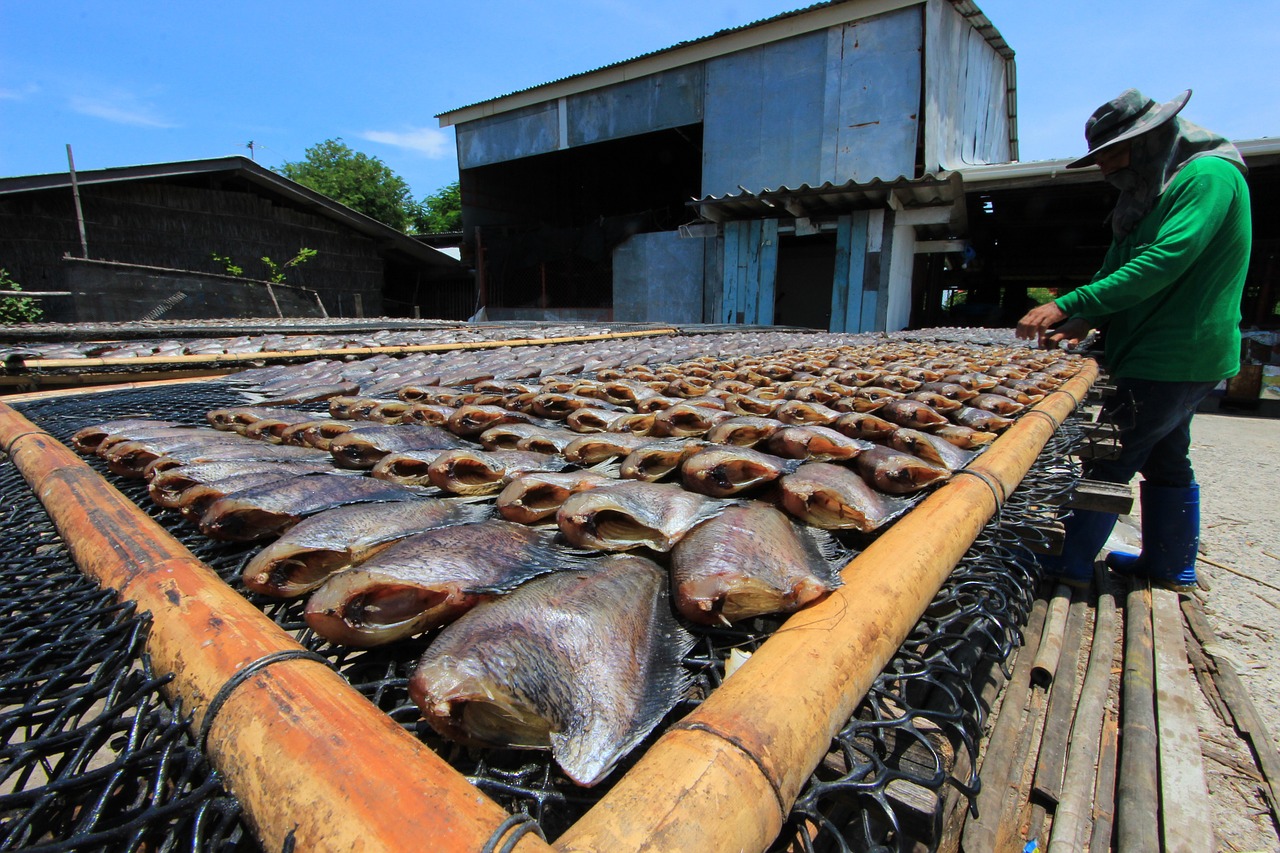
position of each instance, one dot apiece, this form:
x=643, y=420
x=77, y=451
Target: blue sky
x=127, y=82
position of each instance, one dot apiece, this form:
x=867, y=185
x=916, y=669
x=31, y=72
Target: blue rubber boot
x=1086, y=533
x=1170, y=537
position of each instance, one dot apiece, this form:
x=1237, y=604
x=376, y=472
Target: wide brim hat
x=1128, y=115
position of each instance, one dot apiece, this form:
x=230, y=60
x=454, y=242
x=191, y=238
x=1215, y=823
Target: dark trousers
x=1154, y=419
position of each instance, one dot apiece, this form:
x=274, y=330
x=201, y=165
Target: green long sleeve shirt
x=1169, y=292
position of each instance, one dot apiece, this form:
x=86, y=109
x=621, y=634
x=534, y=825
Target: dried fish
x=484, y=472
x=337, y=539
x=835, y=498
x=268, y=510
x=896, y=472
x=529, y=669
x=535, y=497
x=724, y=471
x=634, y=514
x=752, y=560
x=364, y=446
x=431, y=578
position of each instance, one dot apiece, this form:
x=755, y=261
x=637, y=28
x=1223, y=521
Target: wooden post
x=75, y=193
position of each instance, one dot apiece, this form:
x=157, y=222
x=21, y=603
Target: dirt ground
x=1237, y=462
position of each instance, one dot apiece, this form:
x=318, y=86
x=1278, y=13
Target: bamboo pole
x=744, y=760
x=314, y=764
x=1062, y=705
x=1074, y=815
x=1045, y=665
x=1138, y=794
x=33, y=396
x=234, y=357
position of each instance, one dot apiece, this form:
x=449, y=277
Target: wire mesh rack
x=95, y=758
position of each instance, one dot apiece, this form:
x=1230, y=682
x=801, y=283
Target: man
x=1168, y=295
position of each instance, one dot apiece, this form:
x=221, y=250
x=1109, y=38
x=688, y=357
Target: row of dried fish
x=284, y=341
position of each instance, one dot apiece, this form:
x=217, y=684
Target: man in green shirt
x=1168, y=295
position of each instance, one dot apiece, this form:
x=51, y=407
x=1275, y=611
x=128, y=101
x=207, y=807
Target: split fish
x=594, y=420
x=996, y=404
x=534, y=497
x=590, y=449
x=633, y=514
x=896, y=472
x=981, y=419
x=246, y=450
x=749, y=561
x=912, y=414
x=936, y=401
x=966, y=438
x=743, y=430
x=686, y=420
x=236, y=418
x=168, y=487
x=657, y=459
x=800, y=413
x=318, y=434
x=483, y=472
x=472, y=419
x=815, y=443
x=270, y=509
x=865, y=426
x=723, y=471
x=930, y=448
x=337, y=539
x=429, y=579
x=530, y=670
x=434, y=414
x=86, y=440
x=834, y=498
x=364, y=446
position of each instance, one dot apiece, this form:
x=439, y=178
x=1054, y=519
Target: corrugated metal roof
x=297, y=194
x=1037, y=173
x=966, y=8
x=944, y=189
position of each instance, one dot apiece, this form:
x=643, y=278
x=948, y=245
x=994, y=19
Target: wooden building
x=787, y=171
x=143, y=246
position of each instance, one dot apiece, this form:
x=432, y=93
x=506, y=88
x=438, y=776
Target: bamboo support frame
x=293, y=740
x=735, y=757
x=234, y=357
x=1138, y=792
x=746, y=761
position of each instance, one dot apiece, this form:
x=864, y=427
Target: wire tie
x=518, y=825
x=8, y=448
x=228, y=686
x=1073, y=397
x=1050, y=418
x=993, y=484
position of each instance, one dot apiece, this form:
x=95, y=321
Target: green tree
x=16, y=309
x=441, y=212
x=357, y=180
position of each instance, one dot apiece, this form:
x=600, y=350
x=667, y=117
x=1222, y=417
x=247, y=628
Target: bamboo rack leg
x=313, y=763
x=1186, y=824
x=745, y=760
x=1139, y=789
x=1073, y=817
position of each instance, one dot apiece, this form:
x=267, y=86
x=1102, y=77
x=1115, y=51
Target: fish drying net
x=95, y=758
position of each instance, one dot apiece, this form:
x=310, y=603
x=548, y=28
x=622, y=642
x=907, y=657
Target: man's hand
x=1072, y=331
x=1037, y=321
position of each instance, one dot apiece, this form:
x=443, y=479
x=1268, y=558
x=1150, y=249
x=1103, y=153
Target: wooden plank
x=1098, y=496
x=751, y=284
x=1186, y=825
x=840, y=280
x=768, y=272
x=1104, y=796
x=1236, y=697
x=982, y=830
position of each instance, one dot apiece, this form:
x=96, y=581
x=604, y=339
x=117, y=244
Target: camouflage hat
x=1128, y=115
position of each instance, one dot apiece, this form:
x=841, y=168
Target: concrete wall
x=658, y=278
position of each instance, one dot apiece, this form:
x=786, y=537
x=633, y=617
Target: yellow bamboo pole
x=31, y=396
x=725, y=777
x=233, y=357
x=314, y=764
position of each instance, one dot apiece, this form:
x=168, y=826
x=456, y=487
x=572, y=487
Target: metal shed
x=574, y=192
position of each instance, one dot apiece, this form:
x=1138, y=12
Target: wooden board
x=1185, y=822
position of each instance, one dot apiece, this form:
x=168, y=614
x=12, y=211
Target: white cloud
x=120, y=109
x=18, y=94
x=432, y=142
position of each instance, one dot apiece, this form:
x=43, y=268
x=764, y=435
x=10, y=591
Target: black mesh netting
x=94, y=758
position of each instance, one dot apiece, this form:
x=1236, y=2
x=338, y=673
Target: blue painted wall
x=656, y=102
x=658, y=278
x=509, y=136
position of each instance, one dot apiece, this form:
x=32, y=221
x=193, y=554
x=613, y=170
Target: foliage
x=225, y=262
x=441, y=212
x=275, y=271
x=278, y=270
x=16, y=309
x=359, y=181
x=1040, y=295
